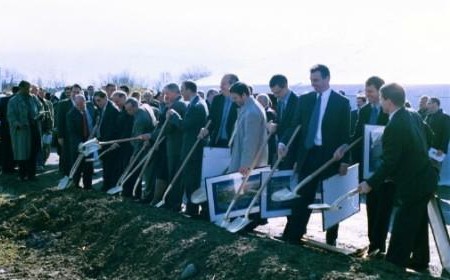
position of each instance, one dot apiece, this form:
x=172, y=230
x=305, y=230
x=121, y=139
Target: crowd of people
x=180, y=120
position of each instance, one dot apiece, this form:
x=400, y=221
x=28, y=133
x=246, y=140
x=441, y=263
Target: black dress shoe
x=419, y=267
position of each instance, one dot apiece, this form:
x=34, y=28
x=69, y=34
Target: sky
x=85, y=40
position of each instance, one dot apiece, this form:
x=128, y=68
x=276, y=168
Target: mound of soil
x=76, y=234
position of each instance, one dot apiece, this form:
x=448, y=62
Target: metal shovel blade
x=199, y=196
x=222, y=223
x=63, y=183
x=159, y=204
x=115, y=190
x=238, y=224
x=283, y=195
x=320, y=206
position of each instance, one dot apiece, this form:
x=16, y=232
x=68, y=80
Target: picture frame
x=280, y=179
x=221, y=190
x=372, y=149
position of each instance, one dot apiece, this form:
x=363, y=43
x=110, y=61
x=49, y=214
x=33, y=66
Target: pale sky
x=82, y=40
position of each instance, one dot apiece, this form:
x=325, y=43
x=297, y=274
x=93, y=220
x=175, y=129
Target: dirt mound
x=77, y=234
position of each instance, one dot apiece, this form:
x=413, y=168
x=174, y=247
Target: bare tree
x=195, y=73
x=10, y=77
x=164, y=78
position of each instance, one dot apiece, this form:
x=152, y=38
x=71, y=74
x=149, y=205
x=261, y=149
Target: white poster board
x=215, y=162
x=221, y=190
x=372, y=149
x=280, y=180
x=335, y=187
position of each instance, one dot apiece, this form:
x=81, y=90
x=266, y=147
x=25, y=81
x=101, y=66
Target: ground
x=78, y=234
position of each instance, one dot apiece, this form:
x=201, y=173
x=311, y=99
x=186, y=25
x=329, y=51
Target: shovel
x=241, y=222
x=286, y=194
x=335, y=205
x=65, y=182
x=127, y=173
x=226, y=219
x=169, y=188
x=111, y=148
x=93, y=144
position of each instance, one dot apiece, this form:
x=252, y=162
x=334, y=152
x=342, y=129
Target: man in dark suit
x=439, y=123
x=108, y=130
x=360, y=102
x=190, y=124
x=80, y=124
x=405, y=161
x=7, y=157
x=379, y=203
x=287, y=106
x=223, y=115
x=64, y=106
x=325, y=118
x=174, y=141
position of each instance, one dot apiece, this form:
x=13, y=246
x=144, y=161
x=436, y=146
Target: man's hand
x=439, y=153
x=145, y=137
x=115, y=146
x=364, y=187
x=343, y=168
x=271, y=127
x=203, y=133
x=60, y=141
x=340, y=152
x=282, y=150
x=244, y=171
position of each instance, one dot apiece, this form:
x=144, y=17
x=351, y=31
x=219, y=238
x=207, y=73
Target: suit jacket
x=3, y=116
x=64, y=106
x=286, y=126
x=250, y=136
x=215, y=116
x=74, y=126
x=108, y=125
x=353, y=118
x=144, y=122
x=335, y=128
x=440, y=125
x=174, y=134
x=405, y=157
x=363, y=119
x=194, y=119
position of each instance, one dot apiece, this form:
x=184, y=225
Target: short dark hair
x=125, y=88
x=76, y=86
x=395, y=93
x=190, y=85
x=172, y=87
x=120, y=94
x=100, y=93
x=324, y=71
x=435, y=100
x=15, y=89
x=133, y=101
x=110, y=85
x=24, y=84
x=240, y=89
x=375, y=81
x=278, y=80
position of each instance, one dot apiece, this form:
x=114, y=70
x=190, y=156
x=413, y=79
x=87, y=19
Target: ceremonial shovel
x=335, y=205
x=112, y=147
x=127, y=173
x=191, y=151
x=93, y=144
x=286, y=194
x=240, y=222
x=226, y=220
x=66, y=181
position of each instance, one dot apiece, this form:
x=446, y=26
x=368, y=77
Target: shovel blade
x=63, y=183
x=238, y=224
x=320, y=206
x=283, y=195
x=199, y=196
x=116, y=189
x=222, y=223
x=159, y=204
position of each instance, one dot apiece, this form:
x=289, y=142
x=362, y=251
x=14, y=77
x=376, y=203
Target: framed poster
x=335, y=187
x=221, y=190
x=372, y=149
x=280, y=180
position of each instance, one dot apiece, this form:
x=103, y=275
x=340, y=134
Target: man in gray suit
x=250, y=131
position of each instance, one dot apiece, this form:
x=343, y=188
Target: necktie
x=313, y=123
x=85, y=126
x=373, y=115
